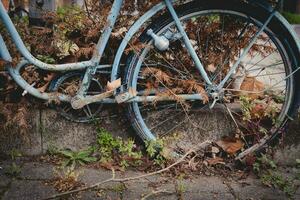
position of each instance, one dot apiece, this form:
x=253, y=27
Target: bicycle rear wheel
x=257, y=101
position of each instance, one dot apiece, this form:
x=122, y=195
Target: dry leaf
x=48, y=80
x=5, y=4
x=230, y=145
x=110, y=166
x=251, y=84
x=120, y=32
x=258, y=111
x=136, y=48
x=158, y=74
x=215, y=161
x=49, y=77
x=211, y=68
x=113, y=85
x=2, y=64
x=193, y=164
x=215, y=150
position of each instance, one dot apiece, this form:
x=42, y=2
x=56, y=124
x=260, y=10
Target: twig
x=156, y=192
x=113, y=179
x=88, y=12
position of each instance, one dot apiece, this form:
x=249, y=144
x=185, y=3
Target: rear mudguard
x=149, y=15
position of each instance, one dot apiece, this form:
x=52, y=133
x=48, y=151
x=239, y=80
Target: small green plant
x=74, y=158
x=180, y=187
x=111, y=148
x=119, y=188
x=14, y=154
x=46, y=58
x=274, y=178
x=269, y=174
x=155, y=149
x=52, y=150
x=246, y=106
x=106, y=144
x=264, y=163
x=13, y=170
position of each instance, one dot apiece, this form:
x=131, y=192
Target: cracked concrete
x=30, y=184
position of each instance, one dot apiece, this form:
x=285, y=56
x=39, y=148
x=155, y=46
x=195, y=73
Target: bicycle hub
x=160, y=42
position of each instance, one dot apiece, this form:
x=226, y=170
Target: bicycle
x=237, y=59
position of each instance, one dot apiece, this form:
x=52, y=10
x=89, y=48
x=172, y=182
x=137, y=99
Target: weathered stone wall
x=51, y=130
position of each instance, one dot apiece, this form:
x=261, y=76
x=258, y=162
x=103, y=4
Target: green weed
x=111, y=148
x=13, y=170
x=269, y=175
x=155, y=150
x=74, y=158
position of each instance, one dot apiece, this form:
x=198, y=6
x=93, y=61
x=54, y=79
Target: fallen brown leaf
x=211, y=68
x=258, y=111
x=110, y=166
x=5, y=4
x=230, y=145
x=193, y=164
x=215, y=161
x=113, y=85
x=49, y=77
x=120, y=32
x=2, y=64
x=48, y=80
x=251, y=84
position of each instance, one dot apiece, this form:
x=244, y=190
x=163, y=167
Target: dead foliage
x=230, y=145
x=65, y=180
x=15, y=116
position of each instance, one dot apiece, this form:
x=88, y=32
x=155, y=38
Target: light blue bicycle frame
x=92, y=65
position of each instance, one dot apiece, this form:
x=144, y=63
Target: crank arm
x=79, y=102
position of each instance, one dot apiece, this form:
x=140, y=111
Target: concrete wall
x=51, y=130
x=48, y=130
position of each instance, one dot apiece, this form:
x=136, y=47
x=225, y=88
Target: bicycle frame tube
x=15, y=73
x=101, y=45
x=188, y=43
x=63, y=67
x=4, y=53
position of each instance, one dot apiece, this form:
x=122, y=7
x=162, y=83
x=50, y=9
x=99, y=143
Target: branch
x=113, y=179
x=156, y=192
